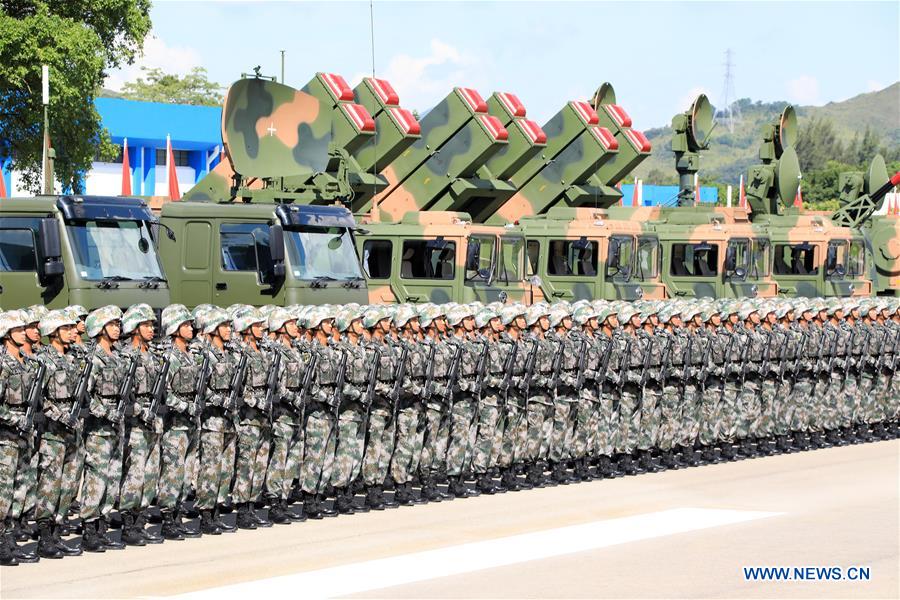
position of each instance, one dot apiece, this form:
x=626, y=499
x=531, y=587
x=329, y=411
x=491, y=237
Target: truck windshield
x=322, y=252
x=113, y=249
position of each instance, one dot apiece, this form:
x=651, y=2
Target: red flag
x=696, y=189
x=798, y=199
x=126, y=170
x=2, y=184
x=171, y=175
x=634, y=194
x=742, y=201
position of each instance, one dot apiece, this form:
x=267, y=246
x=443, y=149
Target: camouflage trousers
x=513, y=430
x=708, y=412
x=286, y=453
x=584, y=429
x=670, y=408
x=690, y=415
x=253, y=443
x=801, y=393
x=869, y=406
x=173, y=448
x=25, y=494
x=57, y=473
x=318, y=449
x=850, y=401
x=140, y=467
x=191, y=463
x=404, y=457
x=727, y=413
x=216, y=467
x=648, y=430
x=540, y=426
x=884, y=395
x=99, y=485
x=784, y=407
x=769, y=406
x=10, y=461
x=564, y=409
x=749, y=406
x=629, y=419
x=437, y=437
x=349, y=450
x=463, y=430
x=377, y=457
x=488, y=423
x=607, y=425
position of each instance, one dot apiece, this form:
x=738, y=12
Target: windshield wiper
x=321, y=281
x=110, y=281
x=151, y=280
x=353, y=282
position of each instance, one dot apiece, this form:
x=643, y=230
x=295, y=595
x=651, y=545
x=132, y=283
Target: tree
x=193, y=88
x=79, y=40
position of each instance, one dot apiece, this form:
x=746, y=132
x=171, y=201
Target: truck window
x=533, y=252
x=619, y=258
x=647, y=259
x=737, y=256
x=509, y=267
x=761, y=263
x=17, y=250
x=836, y=259
x=572, y=257
x=239, y=242
x=479, y=258
x=795, y=259
x=322, y=252
x=428, y=259
x=695, y=260
x=856, y=266
x=377, y=258
x=112, y=249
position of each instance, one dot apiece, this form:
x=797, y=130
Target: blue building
x=196, y=137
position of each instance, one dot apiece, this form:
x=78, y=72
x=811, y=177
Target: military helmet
x=99, y=318
x=625, y=313
x=314, y=316
x=457, y=314
x=557, y=315
x=511, y=312
x=371, y=315
x=604, y=313
x=173, y=316
x=135, y=315
x=10, y=320
x=245, y=317
x=584, y=313
x=55, y=319
x=344, y=318
x=79, y=311
x=428, y=313
x=403, y=314
x=277, y=317
x=35, y=313
x=484, y=316
x=201, y=308
x=213, y=318
x=534, y=313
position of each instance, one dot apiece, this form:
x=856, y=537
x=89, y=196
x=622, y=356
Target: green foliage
x=79, y=40
x=193, y=88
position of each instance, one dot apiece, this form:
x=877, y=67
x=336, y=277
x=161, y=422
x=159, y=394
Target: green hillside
x=730, y=154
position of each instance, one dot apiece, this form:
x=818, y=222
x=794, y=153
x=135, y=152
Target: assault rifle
x=782, y=354
x=557, y=366
x=429, y=372
x=648, y=355
x=726, y=359
x=508, y=370
x=373, y=378
x=830, y=363
x=623, y=372
x=704, y=363
x=481, y=371
x=452, y=376
x=529, y=369
x=81, y=393
x=665, y=360
x=158, y=392
x=395, y=391
x=126, y=390
x=338, y=394
x=202, y=386
x=764, y=368
x=33, y=399
x=582, y=363
x=798, y=356
x=272, y=384
x=237, y=383
x=307, y=384
x=603, y=369
x=744, y=356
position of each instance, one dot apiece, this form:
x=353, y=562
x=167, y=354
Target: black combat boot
x=297, y=516
x=170, y=530
x=647, y=463
x=22, y=531
x=184, y=528
x=403, y=494
x=140, y=522
x=260, y=521
x=20, y=554
x=277, y=514
x=131, y=535
x=862, y=430
x=63, y=547
x=46, y=544
x=486, y=485
x=457, y=487
x=245, y=520
x=343, y=502
x=326, y=512
x=221, y=524
x=7, y=559
x=388, y=503
x=207, y=523
x=373, y=498
x=111, y=544
x=90, y=541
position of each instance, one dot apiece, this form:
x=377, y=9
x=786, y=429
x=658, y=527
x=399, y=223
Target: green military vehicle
x=268, y=226
x=87, y=250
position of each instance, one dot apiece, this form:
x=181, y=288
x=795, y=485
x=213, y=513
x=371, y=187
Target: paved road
x=682, y=534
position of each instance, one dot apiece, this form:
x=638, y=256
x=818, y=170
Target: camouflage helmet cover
x=135, y=315
x=55, y=319
x=245, y=317
x=99, y=318
x=10, y=320
x=173, y=316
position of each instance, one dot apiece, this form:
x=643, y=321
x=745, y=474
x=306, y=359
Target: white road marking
x=465, y=558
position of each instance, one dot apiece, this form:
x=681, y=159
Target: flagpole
x=45, y=160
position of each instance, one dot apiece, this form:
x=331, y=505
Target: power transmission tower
x=730, y=110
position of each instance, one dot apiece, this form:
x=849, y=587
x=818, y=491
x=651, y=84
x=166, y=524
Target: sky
x=657, y=55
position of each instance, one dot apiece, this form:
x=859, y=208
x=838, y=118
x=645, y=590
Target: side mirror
x=276, y=250
x=730, y=259
x=740, y=273
x=614, y=252
x=487, y=275
x=51, y=248
x=840, y=271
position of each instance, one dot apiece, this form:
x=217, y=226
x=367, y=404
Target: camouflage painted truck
x=87, y=250
x=268, y=226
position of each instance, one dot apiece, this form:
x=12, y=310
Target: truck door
x=20, y=283
x=378, y=267
x=572, y=269
x=480, y=272
x=796, y=269
x=244, y=265
x=428, y=270
x=196, y=267
x=692, y=269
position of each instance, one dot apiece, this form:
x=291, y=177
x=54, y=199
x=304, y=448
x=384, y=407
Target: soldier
x=513, y=427
x=140, y=463
x=484, y=388
x=178, y=421
x=675, y=365
x=17, y=379
x=102, y=430
x=539, y=404
x=613, y=343
x=218, y=438
x=464, y=408
x=572, y=348
x=287, y=446
x=654, y=346
x=629, y=390
x=58, y=445
x=253, y=427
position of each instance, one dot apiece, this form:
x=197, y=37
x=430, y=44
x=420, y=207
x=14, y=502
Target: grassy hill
x=730, y=154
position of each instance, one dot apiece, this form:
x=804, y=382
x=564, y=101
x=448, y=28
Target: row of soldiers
x=243, y=409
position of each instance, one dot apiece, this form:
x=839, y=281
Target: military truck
x=87, y=250
x=269, y=225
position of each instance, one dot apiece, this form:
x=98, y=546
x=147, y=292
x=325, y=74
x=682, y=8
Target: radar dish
x=787, y=176
x=786, y=136
x=272, y=130
x=876, y=175
x=701, y=123
x=605, y=94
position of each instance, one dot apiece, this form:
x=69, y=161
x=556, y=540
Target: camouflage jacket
x=103, y=387
x=181, y=388
x=60, y=383
x=217, y=415
x=15, y=380
x=148, y=369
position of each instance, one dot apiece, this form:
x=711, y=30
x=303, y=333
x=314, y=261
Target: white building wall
x=104, y=179
x=185, y=179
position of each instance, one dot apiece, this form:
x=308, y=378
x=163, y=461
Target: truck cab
x=261, y=253
x=87, y=250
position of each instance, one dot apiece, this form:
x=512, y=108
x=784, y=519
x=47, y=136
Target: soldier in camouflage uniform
x=140, y=463
x=253, y=422
x=59, y=440
x=612, y=344
x=627, y=401
x=287, y=447
x=539, y=404
x=484, y=387
x=513, y=427
x=653, y=345
x=678, y=344
x=103, y=428
x=464, y=409
x=17, y=376
x=571, y=348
